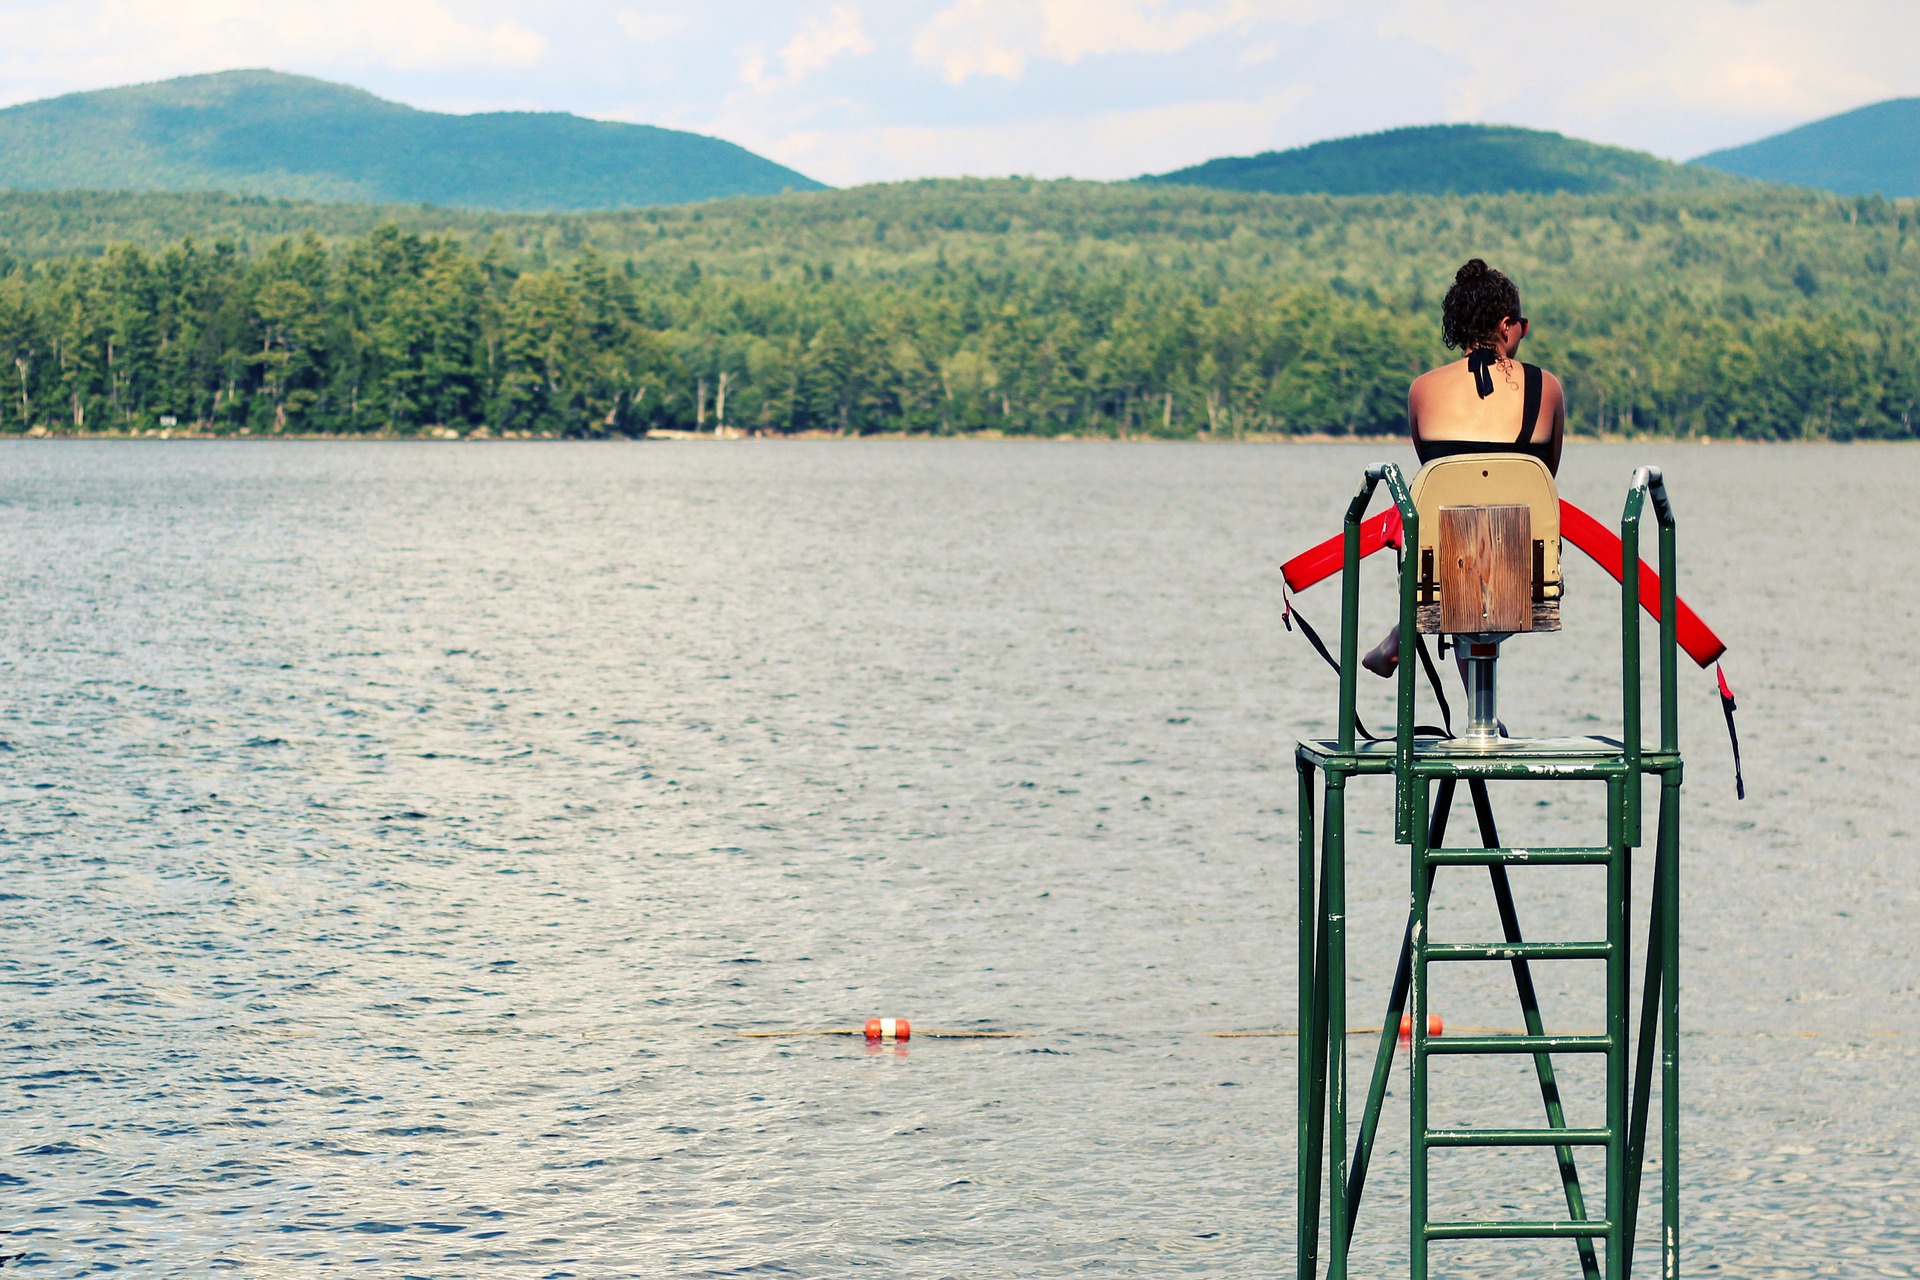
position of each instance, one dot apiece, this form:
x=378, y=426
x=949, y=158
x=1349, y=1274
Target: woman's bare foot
x=1384, y=658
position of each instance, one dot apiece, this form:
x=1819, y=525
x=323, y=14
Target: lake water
x=395, y=838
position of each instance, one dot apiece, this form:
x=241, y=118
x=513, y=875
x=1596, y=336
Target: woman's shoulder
x=1551, y=390
x=1437, y=375
x=1546, y=377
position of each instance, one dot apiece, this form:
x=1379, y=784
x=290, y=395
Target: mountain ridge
x=1875, y=148
x=269, y=133
x=1446, y=159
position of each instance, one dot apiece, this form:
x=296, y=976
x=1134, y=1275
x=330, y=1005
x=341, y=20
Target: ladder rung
x=1515, y=1230
x=1517, y=1044
x=1583, y=857
x=1518, y=950
x=1518, y=1137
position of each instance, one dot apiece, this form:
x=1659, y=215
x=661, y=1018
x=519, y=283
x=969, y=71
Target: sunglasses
x=1523, y=322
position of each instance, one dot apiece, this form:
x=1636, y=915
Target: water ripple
x=395, y=839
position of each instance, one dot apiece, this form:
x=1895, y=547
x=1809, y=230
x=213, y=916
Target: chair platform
x=1538, y=758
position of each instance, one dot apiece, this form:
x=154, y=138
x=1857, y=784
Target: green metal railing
x=1427, y=773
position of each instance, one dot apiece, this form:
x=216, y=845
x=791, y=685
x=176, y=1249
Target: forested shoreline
x=1020, y=308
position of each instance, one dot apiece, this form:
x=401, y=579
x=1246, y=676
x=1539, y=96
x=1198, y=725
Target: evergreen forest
x=1015, y=307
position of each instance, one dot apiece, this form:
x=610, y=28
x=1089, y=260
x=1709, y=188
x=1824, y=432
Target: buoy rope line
x=889, y=1031
x=917, y=1033
x=1369, y=1031
x=900, y=1029
x=1761, y=1033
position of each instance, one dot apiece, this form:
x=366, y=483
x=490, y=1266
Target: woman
x=1486, y=402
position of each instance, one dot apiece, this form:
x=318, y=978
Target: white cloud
x=999, y=37
x=821, y=41
x=653, y=27
x=1770, y=61
x=1118, y=144
x=1766, y=58
x=108, y=42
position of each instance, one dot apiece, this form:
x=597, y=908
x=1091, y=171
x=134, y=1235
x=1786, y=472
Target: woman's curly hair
x=1476, y=304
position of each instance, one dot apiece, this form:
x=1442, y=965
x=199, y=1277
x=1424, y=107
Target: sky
x=852, y=91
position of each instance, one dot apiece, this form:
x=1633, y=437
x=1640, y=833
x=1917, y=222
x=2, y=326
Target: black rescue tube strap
x=1433, y=681
x=1289, y=615
x=1727, y=707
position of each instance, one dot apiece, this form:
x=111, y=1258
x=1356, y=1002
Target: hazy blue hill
x=269, y=134
x=1875, y=148
x=1446, y=159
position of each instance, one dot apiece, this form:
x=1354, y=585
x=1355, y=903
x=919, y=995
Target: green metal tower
x=1427, y=771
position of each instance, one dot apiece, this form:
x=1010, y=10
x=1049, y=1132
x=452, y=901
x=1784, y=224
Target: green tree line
x=945, y=307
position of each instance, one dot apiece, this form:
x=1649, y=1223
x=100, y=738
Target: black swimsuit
x=1428, y=450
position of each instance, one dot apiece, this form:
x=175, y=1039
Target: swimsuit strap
x=1480, y=362
x=1530, y=409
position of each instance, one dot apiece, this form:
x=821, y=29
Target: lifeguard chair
x=1480, y=564
x=1489, y=564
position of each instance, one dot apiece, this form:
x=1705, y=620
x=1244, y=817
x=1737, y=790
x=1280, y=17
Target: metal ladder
x=1427, y=774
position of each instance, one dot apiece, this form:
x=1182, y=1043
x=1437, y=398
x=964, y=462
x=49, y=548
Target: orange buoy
x=1435, y=1027
x=885, y=1029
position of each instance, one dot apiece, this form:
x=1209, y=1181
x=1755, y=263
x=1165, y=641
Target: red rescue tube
x=1600, y=543
x=1322, y=562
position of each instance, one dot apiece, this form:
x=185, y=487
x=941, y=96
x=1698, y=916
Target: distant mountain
x=1440, y=159
x=266, y=133
x=1875, y=148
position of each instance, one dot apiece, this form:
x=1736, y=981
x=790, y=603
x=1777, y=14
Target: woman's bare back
x=1444, y=404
